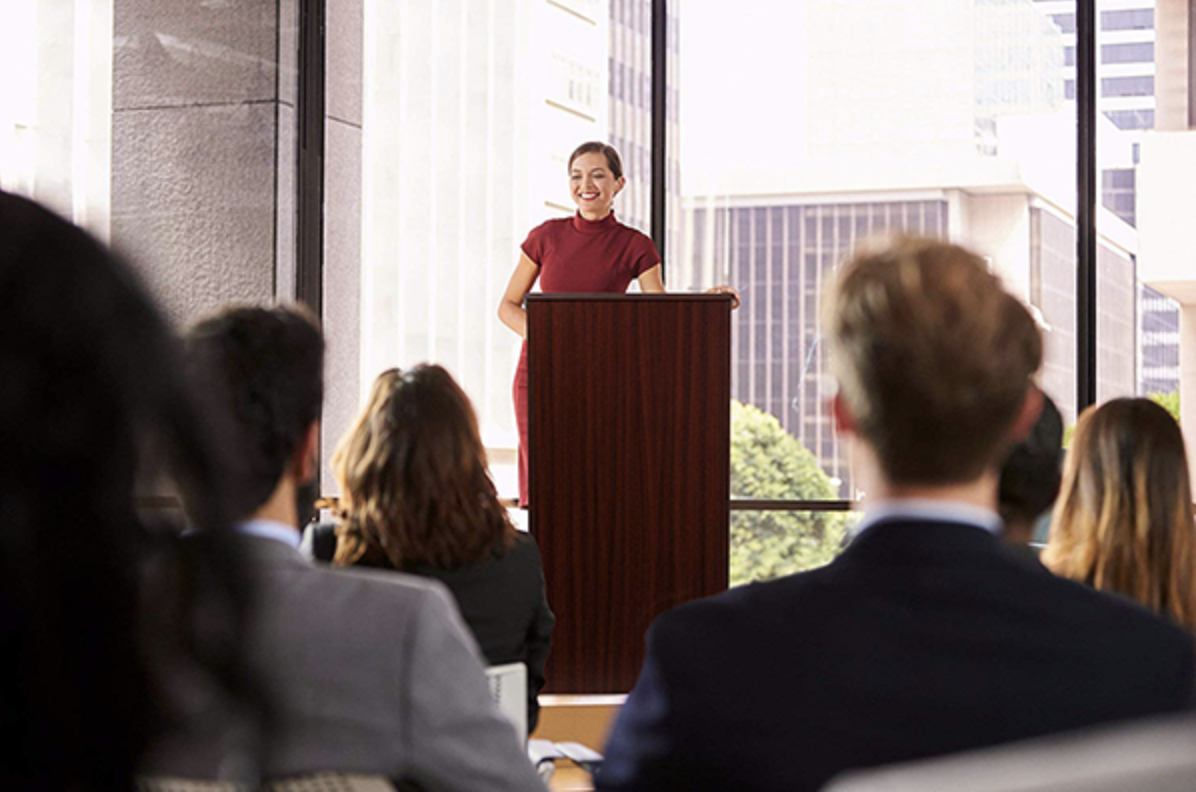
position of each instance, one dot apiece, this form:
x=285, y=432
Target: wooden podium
x=629, y=469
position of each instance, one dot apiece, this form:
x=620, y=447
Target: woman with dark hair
x=591, y=252
x=1123, y=522
x=416, y=497
x=91, y=403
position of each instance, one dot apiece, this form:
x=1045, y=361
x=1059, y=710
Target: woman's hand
x=724, y=289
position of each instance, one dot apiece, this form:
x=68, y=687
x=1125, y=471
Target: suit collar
x=911, y=542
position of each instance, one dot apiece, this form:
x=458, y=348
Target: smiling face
x=592, y=185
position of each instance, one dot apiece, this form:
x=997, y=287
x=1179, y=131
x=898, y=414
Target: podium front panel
x=629, y=470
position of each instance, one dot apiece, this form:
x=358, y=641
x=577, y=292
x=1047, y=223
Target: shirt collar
x=925, y=510
x=584, y=226
x=269, y=529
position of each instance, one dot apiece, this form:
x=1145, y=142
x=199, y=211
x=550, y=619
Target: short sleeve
x=643, y=255
x=535, y=247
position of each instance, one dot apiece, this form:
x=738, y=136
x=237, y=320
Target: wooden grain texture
x=629, y=470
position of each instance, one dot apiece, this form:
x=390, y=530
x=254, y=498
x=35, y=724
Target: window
x=838, y=138
x=471, y=132
x=1131, y=119
x=1128, y=19
x=1137, y=52
x=1065, y=22
x=1127, y=86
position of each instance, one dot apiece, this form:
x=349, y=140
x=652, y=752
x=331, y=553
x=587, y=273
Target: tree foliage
x=1168, y=401
x=767, y=463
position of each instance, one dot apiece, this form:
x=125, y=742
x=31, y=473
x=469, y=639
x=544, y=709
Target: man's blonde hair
x=933, y=359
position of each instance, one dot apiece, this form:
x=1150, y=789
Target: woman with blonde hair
x=416, y=497
x=1123, y=522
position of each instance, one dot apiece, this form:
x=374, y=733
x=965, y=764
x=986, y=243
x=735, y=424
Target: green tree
x=767, y=463
x=1168, y=401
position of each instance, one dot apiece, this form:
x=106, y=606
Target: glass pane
x=770, y=544
x=472, y=109
x=1146, y=280
x=822, y=125
x=56, y=107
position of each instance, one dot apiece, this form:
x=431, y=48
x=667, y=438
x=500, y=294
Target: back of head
x=1124, y=521
x=933, y=359
x=265, y=366
x=413, y=477
x=1031, y=475
x=89, y=389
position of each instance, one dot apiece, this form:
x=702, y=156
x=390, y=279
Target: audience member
x=1030, y=477
x=367, y=672
x=416, y=496
x=92, y=407
x=926, y=636
x=1124, y=522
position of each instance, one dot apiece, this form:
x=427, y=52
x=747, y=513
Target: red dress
x=578, y=256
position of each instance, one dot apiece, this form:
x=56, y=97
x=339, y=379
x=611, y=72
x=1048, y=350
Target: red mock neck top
x=582, y=256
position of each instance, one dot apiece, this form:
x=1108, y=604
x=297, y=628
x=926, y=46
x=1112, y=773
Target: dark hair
x=91, y=389
x=933, y=359
x=1031, y=475
x=613, y=162
x=413, y=478
x=267, y=365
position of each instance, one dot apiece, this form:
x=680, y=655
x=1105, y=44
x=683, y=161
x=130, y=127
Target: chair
x=508, y=688
x=331, y=782
x=1157, y=755
x=316, y=782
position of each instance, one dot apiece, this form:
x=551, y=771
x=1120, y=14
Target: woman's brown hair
x=413, y=477
x=613, y=162
x=1123, y=522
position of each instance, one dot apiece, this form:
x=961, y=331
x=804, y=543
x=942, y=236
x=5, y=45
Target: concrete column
x=1174, y=64
x=203, y=148
x=1187, y=382
x=342, y=225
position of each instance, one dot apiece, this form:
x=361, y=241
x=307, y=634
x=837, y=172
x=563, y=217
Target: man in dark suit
x=926, y=636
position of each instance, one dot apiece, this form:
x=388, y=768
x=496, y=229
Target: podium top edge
x=636, y=297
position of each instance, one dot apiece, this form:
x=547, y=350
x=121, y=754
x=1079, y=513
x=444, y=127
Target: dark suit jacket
x=501, y=599
x=920, y=639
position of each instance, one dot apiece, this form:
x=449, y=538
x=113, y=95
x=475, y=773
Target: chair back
x=508, y=688
x=315, y=782
x=1149, y=756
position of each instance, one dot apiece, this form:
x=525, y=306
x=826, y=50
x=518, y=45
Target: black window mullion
x=309, y=221
x=1086, y=196
x=659, y=99
x=309, y=176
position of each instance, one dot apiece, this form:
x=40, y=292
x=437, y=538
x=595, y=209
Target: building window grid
x=1132, y=52
x=1127, y=19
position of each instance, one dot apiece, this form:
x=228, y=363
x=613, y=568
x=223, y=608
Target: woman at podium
x=590, y=252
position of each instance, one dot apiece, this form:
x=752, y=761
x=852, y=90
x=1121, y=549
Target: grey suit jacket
x=365, y=673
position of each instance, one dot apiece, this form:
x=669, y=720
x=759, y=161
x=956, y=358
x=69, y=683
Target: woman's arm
x=650, y=281
x=511, y=310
